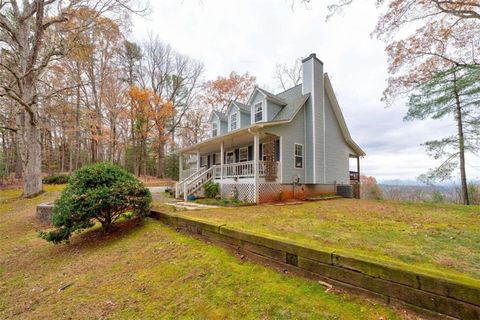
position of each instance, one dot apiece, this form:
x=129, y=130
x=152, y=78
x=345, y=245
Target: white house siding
x=290, y=134
x=336, y=149
x=272, y=110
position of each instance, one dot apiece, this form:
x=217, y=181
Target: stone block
x=44, y=213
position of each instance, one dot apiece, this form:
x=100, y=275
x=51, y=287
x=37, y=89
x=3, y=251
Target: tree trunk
x=77, y=125
x=461, y=144
x=18, y=160
x=161, y=160
x=30, y=150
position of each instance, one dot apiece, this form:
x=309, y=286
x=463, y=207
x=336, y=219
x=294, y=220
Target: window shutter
x=277, y=150
x=237, y=155
x=260, y=146
x=213, y=161
x=208, y=161
x=250, y=153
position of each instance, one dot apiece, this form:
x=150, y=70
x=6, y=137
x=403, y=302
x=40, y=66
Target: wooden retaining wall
x=394, y=285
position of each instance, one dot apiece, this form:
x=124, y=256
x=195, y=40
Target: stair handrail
x=199, y=181
x=180, y=185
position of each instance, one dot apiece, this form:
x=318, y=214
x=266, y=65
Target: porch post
x=358, y=167
x=256, y=143
x=221, y=160
x=180, y=169
x=198, y=160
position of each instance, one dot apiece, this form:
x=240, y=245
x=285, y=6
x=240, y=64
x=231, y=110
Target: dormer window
x=214, y=129
x=233, y=121
x=258, y=114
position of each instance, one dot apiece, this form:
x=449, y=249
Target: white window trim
x=255, y=112
x=236, y=120
x=240, y=154
x=295, y=156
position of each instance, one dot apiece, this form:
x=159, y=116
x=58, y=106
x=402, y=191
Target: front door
x=230, y=157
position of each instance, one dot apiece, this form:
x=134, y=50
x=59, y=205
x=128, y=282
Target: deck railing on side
x=354, y=176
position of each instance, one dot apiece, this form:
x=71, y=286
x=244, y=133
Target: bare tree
x=174, y=78
x=288, y=76
x=32, y=35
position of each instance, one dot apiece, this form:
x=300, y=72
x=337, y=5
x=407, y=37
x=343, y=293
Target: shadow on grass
x=96, y=237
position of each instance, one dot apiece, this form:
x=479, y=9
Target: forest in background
x=112, y=99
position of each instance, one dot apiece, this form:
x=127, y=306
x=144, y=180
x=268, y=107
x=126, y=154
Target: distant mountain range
x=411, y=182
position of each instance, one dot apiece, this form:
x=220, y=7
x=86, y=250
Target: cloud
x=253, y=36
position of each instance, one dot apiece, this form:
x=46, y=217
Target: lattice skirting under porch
x=269, y=192
x=246, y=191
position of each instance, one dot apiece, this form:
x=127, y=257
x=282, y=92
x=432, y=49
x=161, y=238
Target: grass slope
x=440, y=239
x=148, y=271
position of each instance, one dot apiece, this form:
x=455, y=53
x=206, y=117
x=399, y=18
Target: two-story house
x=293, y=144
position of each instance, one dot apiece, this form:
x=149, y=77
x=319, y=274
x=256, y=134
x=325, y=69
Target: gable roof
x=268, y=95
x=294, y=99
x=243, y=107
x=339, y=115
x=221, y=116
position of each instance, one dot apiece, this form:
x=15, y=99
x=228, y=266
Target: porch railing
x=244, y=169
x=354, y=176
x=185, y=174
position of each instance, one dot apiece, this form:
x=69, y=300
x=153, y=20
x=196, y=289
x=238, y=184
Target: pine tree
x=454, y=92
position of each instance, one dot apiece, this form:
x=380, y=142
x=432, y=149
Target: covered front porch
x=240, y=160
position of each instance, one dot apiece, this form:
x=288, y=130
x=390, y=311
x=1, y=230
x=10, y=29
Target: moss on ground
x=149, y=271
x=222, y=202
x=437, y=239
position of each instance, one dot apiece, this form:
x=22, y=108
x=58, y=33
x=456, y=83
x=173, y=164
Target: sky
x=253, y=36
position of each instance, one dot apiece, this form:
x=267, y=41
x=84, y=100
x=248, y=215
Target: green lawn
x=148, y=271
x=438, y=239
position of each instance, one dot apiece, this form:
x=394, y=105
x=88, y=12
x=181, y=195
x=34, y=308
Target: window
x=258, y=112
x=298, y=155
x=217, y=158
x=214, y=129
x=243, y=154
x=233, y=121
x=230, y=157
x=203, y=161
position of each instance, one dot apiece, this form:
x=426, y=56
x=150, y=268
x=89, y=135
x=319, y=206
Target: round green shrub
x=211, y=189
x=100, y=192
x=56, y=179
